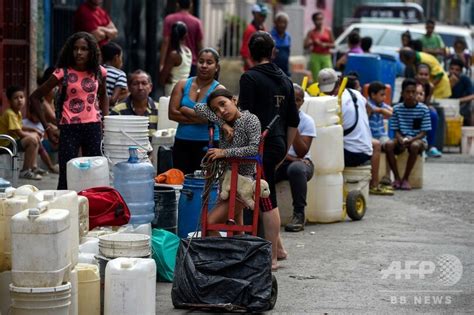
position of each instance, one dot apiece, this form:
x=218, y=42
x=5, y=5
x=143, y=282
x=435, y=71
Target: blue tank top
x=197, y=132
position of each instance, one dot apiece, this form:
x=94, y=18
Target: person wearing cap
x=259, y=12
x=358, y=142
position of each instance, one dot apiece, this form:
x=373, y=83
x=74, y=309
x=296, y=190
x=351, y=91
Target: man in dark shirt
x=462, y=88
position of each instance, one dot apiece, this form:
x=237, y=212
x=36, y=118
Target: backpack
x=354, y=100
x=106, y=207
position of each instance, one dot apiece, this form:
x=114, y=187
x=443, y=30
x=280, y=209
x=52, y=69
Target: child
x=410, y=121
x=178, y=60
x=80, y=119
x=222, y=107
x=377, y=111
x=27, y=139
x=116, y=79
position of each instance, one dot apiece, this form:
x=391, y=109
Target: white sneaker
x=29, y=174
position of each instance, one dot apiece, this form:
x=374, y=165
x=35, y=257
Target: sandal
x=381, y=191
x=405, y=185
x=386, y=181
x=396, y=184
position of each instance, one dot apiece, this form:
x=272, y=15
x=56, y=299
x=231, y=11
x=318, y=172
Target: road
x=421, y=236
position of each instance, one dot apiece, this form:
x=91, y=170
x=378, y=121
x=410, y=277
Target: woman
x=178, y=60
x=320, y=40
x=192, y=135
x=79, y=115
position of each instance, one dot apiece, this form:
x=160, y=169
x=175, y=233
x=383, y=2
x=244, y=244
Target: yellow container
x=453, y=131
x=89, y=289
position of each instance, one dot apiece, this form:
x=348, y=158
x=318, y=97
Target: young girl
x=178, y=60
x=80, y=118
x=222, y=108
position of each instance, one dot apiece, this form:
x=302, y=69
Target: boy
x=28, y=139
x=116, y=79
x=410, y=121
x=378, y=110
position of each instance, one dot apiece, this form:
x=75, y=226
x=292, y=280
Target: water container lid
x=133, y=151
x=60, y=288
x=126, y=264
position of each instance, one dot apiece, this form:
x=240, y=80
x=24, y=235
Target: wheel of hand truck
x=355, y=205
x=274, y=294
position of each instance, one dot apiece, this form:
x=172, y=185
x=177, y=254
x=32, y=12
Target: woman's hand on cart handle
x=214, y=154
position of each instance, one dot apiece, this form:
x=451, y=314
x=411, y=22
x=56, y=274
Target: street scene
x=284, y=157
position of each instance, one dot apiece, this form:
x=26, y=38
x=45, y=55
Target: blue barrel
x=388, y=67
x=190, y=202
x=368, y=66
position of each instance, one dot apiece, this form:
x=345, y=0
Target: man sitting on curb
x=297, y=167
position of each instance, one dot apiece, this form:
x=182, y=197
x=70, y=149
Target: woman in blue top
x=192, y=136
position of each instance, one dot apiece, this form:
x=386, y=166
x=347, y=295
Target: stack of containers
x=41, y=261
x=120, y=132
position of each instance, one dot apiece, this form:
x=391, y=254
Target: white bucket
x=89, y=289
x=41, y=301
x=327, y=150
x=130, y=286
x=124, y=245
x=358, y=178
x=327, y=199
x=87, y=172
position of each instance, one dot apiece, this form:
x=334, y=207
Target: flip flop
x=381, y=191
x=405, y=185
x=396, y=184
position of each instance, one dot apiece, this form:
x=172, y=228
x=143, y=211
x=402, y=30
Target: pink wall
x=311, y=8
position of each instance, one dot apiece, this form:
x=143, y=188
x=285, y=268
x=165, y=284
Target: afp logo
x=448, y=269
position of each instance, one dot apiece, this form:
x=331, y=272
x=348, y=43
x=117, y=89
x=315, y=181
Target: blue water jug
x=190, y=201
x=135, y=181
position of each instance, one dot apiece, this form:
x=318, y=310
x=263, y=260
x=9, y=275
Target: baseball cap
x=327, y=79
x=260, y=8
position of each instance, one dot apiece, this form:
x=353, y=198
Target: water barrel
x=166, y=209
x=368, y=66
x=388, y=70
x=190, y=202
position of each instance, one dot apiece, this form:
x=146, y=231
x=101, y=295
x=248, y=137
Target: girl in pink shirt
x=79, y=115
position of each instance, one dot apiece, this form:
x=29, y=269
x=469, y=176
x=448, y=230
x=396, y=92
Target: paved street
x=336, y=268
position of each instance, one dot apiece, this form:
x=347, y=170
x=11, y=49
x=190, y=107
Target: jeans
x=298, y=173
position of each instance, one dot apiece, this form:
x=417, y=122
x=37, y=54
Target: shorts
x=383, y=140
x=399, y=149
x=352, y=159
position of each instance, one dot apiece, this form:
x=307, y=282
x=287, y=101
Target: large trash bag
x=164, y=246
x=229, y=272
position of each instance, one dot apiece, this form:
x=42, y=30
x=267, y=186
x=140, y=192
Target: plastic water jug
x=41, y=301
x=40, y=247
x=326, y=198
x=87, y=172
x=89, y=289
x=327, y=150
x=62, y=199
x=323, y=109
x=163, y=120
x=135, y=180
x=12, y=202
x=130, y=286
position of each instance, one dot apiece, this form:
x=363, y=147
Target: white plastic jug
x=62, y=199
x=162, y=137
x=326, y=198
x=40, y=247
x=87, y=172
x=12, y=201
x=323, y=109
x=89, y=289
x=41, y=301
x=74, y=309
x=327, y=150
x=163, y=121
x=130, y=286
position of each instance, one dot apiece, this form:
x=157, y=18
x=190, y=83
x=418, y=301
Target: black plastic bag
x=233, y=273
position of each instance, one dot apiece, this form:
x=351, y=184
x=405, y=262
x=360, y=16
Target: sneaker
x=55, y=169
x=29, y=174
x=434, y=152
x=40, y=171
x=386, y=181
x=296, y=224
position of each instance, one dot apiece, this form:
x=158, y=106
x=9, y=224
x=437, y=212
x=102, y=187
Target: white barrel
x=323, y=109
x=83, y=215
x=41, y=301
x=163, y=121
x=326, y=198
x=87, y=172
x=327, y=150
x=62, y=199
x=89, y=289
x=358, y=178
x=124, y=245
x=12, y=201
x=74, y=309
x=40, y=247
x=130, y=286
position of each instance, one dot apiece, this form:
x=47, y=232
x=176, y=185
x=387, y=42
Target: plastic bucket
x=190, y=202
x=358, y=178
x=124, y=245
x=41, y=301
x=165, y=209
